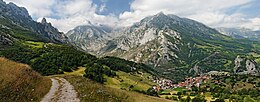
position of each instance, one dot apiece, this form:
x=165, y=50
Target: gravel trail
x=61, y=91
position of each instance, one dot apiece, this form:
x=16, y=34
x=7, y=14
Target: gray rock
x=251, y=66
x=237, y=61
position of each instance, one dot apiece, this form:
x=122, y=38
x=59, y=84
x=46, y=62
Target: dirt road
x=61, y=91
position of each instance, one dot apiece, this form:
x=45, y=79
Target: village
x=188, y=83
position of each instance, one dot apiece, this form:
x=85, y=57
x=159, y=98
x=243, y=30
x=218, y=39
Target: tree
x=152, y=92
x=188, y=99
x=248, y=99
x=199, y=99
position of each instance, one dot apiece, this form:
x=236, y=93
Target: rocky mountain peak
x=160, y=14
x=156, y=20
x=18, y=11
x=44, y=21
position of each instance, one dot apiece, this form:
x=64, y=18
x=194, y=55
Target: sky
x=67, y=14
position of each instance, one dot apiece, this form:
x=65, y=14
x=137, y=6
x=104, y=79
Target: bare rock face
x=5, y=40
x=251, y=66
x=196, y=69
x=237, y=61
x=245, y=66
x=53, y=33
x=44, y=21
x=90, y=38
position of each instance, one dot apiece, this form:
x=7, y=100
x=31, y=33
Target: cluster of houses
x=188, y=83
x=162, y=84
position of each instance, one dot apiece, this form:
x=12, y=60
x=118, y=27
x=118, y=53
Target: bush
x=97, y=72
x=152, y=92
x=199, y=99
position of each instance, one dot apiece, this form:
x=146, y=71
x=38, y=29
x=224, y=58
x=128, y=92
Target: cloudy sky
x=67, y=14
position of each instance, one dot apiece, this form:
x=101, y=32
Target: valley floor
x=90, y=91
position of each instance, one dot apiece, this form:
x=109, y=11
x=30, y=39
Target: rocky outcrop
x=53, y=33
x=251, y=66
x=195, y=69
x=5, y=40
x=237, y=61
x=245, y=66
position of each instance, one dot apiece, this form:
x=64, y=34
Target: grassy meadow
x=90, y=91
x=19, y=83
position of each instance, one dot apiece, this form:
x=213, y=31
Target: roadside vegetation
x=19, y=83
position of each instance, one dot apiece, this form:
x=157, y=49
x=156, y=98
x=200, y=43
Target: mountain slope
x=89, y=37
x=18, y=21
x=176, y=45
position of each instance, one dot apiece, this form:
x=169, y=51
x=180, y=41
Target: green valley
x=158, y=57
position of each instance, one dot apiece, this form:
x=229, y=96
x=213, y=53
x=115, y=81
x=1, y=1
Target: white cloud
x=66, y=14
x=102, y=8
x=253, y=23
x=66, y=24
x=209, y=12
x=36, y=8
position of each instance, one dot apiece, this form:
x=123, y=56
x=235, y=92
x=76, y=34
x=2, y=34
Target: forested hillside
x=47, y=59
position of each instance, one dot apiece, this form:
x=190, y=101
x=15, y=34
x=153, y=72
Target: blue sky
x=253, y=10
x=113, y=6
x=67, y=14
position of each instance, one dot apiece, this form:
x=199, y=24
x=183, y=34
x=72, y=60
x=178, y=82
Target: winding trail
x=61, y=91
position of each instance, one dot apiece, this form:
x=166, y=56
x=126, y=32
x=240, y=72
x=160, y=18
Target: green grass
x=257, y=60
x=126, y=80
x=228, y=63
x=178, y=89
x=79, y=72
x=90, y=91
x=34, y=44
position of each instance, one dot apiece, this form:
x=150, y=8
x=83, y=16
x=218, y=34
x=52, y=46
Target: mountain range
x=169, y=43
x=241, y=33
x=160, y=55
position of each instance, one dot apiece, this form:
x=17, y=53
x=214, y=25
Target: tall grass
x=19, y=83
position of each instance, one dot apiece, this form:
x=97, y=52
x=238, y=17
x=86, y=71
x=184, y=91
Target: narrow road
x=61, y=91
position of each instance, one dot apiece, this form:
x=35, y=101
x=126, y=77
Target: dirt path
x=61, y=91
